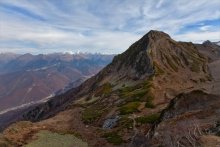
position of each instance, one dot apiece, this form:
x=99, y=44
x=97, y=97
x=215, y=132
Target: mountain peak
x=157, y=34
x=207, y=42
x=157, y=48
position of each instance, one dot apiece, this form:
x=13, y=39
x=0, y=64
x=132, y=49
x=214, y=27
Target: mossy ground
x=92, y=113
x=104, y=90
x=125, y=122
x=135, y=92
x=129, y=108
x=151, y=119
x=51, y=139
x=113, y=137
x=139, y=93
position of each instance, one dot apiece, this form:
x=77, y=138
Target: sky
x=102, y=26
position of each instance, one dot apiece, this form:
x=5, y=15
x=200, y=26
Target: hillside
x=162, y=75
x=211, y=50
x=30, y=78
x=128, y=100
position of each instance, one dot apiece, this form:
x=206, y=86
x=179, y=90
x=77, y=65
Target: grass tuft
x=92, y=113
x=148, y=119
x=104, y=90
x=114, y=138
x=51, y=139
x=129, y=108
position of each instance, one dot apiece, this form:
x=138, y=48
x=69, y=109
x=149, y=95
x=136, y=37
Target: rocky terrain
x=188, y=120
x=29, y=78
x=212, y=52
x=159, y=92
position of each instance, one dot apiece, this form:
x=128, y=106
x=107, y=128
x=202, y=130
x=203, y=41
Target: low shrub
x=125, y=122
x=91, y=114
x=113, y=138
x=148, y=119
x=104, y=90
x=129, y=108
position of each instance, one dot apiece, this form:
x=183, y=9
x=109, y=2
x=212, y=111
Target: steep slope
x=19, y=88
x=125, y=99
x=209, y=49
x=212, y=51
x=157, y=62
x=215, y=70
x=191, y=119
x=169, y=65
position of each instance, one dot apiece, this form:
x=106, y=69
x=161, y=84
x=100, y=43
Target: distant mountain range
x=30, y=78
x=159, y=92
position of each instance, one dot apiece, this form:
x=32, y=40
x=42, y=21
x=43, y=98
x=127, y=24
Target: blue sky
x=104, y=26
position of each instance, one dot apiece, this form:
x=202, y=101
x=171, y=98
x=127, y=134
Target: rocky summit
x=159, y=92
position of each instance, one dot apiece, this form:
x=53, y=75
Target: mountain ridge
x=129, y=94
x=27, y=78
x=91, y=85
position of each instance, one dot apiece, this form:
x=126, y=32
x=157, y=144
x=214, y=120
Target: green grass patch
x=113, y=137
x=129, y=108
x=51, y=139
x=104, y=90
x=136, y=93
x=139, y=93
x=92, y=113
x=72, y=132
x=125, y=122
x=151, y=119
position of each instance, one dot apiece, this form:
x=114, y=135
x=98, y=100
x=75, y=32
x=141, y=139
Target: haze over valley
x=30, y=78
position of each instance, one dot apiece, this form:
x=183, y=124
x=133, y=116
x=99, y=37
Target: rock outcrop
x=188, y=118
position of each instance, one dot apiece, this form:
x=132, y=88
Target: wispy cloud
x=205, y=28
x=107, y=26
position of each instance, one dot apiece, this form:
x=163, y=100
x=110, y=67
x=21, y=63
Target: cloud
x=109, y=26
x=198, y=37
x=159, y=3
x=205, y=28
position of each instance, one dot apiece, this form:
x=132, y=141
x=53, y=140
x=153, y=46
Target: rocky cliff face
x=134, y=88
x=188, y=119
